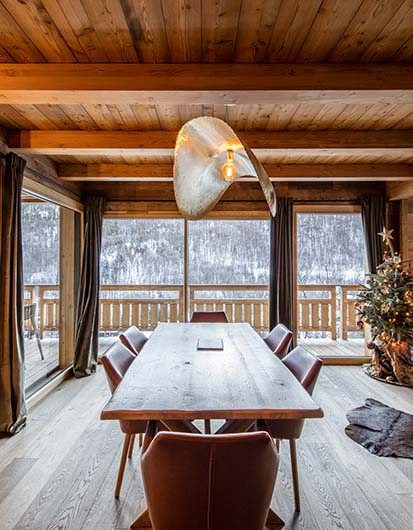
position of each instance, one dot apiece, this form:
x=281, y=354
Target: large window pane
x=235, y=254
x=229, y=252
x=142, y=252
x=330, y=249
x=330, y=267
x=142, y=265
x=41, y=241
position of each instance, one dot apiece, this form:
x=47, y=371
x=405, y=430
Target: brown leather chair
x=208, y=482
x=306, y=369
x=209, y=316
x=133, y=339
x=116, y=361
x=279, y=340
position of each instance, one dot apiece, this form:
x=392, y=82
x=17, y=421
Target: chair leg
x=36, y=332
x=131, y=444
x=277, y=444
x=207, y=426
x=140, y=439
x=122, y=465
x=294, y=468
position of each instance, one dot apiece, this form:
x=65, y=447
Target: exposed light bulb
x=228, y=170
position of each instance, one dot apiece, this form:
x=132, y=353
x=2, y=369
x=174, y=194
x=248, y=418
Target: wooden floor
x=59, y=472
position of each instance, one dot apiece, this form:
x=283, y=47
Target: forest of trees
x=41, y=234
x=330, y=250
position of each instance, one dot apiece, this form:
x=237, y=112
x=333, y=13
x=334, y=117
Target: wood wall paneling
x=399, y=190
x=406, y=229
x=238, y=192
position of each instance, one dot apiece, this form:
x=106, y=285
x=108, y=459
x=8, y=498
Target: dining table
x=176, y=379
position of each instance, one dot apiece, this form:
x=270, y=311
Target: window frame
x=71, y=224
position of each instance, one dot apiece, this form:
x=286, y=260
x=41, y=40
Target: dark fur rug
x=382, y=430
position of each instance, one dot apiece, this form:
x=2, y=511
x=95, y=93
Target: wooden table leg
x=235, y=426
x=273, y=521
x=142, y=521
x=180, y=426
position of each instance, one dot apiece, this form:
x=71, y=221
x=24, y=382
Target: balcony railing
x=319, y=307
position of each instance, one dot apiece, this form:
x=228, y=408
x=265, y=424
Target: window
x=330, y=249
x=330, y=266
x=229, y=252
x=41, y=275
x=142, y=252
x=228, y=269
x=142, y=275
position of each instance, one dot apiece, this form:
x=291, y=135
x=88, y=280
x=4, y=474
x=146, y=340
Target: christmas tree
x=385, y=303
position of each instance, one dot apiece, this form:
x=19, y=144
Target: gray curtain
x=12, y=402
x=281, y=265
x=87, y=317
x=373, y=213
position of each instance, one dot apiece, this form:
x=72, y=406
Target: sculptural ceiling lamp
x=209, y=156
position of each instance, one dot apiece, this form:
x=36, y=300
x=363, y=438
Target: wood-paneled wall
x=406, y=228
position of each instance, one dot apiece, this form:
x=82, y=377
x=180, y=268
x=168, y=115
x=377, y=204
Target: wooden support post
x=67, y=287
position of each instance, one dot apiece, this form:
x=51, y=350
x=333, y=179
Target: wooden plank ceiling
x=222, y=31
x=196, y=31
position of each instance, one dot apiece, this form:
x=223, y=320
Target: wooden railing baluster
x=115, y=314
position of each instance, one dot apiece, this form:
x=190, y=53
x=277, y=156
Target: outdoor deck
x=333, y=348
x=36, y=368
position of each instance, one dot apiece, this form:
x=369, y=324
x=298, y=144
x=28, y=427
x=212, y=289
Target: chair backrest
x=133, y=339
x=116, y=360
x=279, y=339
x=304, y=366
x=29, y=311
x=206, y=482
x=209, y=316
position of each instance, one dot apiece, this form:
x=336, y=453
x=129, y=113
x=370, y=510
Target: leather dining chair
x=306, y=368
x=116, y=361
x=209, y=316
x=208, y=482
x=279, y=340
x=133, y=339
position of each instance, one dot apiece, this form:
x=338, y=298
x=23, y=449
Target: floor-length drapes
x=12, y=403
x=87, y=317
x=373, y=213
x=281, y=265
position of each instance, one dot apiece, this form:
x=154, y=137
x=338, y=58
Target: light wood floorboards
x=59, y=473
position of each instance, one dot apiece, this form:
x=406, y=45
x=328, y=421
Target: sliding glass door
x=41, y=274
x=331, y=264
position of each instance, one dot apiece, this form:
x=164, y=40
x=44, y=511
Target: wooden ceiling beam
x=230, y=84
x=277, y=172
x=64, y=142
